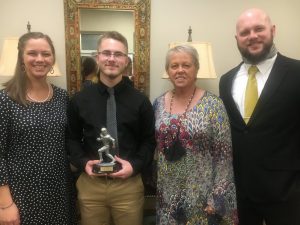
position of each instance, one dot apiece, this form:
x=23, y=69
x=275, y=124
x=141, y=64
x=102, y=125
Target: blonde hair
x=185, y=49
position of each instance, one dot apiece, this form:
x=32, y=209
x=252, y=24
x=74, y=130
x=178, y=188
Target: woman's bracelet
x=6, y=207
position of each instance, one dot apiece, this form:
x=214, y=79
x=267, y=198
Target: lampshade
x=9, y=56
x=204, y=49
x=8, y=60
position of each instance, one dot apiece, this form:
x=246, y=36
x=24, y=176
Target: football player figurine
x=108, y=142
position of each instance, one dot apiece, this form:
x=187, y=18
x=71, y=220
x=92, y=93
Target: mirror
x=140, y=41
x=94, y=22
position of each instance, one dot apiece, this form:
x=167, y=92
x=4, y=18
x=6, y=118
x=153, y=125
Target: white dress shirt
x=241, y=78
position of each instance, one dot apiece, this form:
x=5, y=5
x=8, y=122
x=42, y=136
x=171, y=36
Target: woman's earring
x=23, y=68
x=52, y=70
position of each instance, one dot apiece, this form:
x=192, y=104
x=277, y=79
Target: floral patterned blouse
x=203, y=174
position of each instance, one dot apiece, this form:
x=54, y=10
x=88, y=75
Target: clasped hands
x=125, y=172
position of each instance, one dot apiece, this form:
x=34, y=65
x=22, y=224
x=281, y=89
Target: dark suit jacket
x=267, y=150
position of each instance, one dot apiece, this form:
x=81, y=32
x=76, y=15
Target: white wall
x=212, y=21
x=46, y=16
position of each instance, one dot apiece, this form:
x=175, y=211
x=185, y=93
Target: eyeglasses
x=116, y=55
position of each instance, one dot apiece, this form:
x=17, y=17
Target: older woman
x=34, y=172
x=195, y=176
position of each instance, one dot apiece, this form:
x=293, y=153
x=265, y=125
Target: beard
x=256, y=58
x=113, y=73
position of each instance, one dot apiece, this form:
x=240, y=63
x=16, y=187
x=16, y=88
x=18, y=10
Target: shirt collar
x=263, y=66
x=117, y=88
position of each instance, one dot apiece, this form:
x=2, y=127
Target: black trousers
x=279, y=213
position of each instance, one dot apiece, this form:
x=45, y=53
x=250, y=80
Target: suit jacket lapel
x=236, y=115
x=274, y=80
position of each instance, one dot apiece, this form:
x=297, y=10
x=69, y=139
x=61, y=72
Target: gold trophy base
x=105, y=168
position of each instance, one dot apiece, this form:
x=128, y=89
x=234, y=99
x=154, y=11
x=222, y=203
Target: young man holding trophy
x=111, y=119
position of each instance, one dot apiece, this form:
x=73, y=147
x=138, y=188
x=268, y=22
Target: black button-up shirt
x=135, y=119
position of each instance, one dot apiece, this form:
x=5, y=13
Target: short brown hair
x=113, y=35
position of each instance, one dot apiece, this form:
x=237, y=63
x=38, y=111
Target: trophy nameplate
x=104, y=168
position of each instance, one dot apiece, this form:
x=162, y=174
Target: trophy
x=105, y=166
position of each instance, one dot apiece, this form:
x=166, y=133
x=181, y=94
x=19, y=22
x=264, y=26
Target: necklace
x=173, y=148
x=43, y=100
x=187, y=106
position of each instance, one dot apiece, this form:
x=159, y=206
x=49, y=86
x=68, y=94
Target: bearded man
x=262, y=99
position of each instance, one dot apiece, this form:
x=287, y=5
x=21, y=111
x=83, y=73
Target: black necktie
x=111, y=118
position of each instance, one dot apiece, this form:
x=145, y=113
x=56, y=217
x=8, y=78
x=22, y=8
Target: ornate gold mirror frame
x=141, y=10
